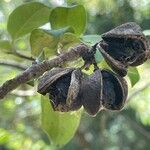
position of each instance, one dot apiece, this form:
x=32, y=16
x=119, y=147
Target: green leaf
x=133, y=75
x=5, y=46
x=27, y=17
x=59, y=32
x=104, y=65
x=91, y=39
x=46, y=40
x=60, y=127
x=98, y=56
x=41, y=39
x=74, y=17
x=67, y=40
x=41, y=56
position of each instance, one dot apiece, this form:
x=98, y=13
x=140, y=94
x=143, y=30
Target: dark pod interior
x=112, y=91
x=126, y=50
x=50, y=77
x=64, y=92
x=59, y=89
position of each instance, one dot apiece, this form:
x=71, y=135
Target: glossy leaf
x=74, y=17
x=46, y=40
x=91, y=39
x=133, y=75
x=60, y=127
x=27, y=17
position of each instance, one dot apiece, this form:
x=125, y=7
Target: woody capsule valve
x=115, y=91
x=63, y=86
x=91, y=92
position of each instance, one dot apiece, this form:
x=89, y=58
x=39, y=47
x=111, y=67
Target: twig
x=14, y=65
x=21, y=55
x=37, y=70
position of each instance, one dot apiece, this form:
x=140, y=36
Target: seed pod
x=73, y=100
x=116, y=65
x=63, y=86
x=91, y=92
x=114, y=91
x=124, y=46
x=49, y=77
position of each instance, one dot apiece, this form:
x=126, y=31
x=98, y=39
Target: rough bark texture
x=37, y=70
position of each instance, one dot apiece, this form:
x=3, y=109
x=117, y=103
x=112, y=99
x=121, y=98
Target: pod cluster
x=70, y=88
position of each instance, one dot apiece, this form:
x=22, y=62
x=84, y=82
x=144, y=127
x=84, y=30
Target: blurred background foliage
x=20, y=111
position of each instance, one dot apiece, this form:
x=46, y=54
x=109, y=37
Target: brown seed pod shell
x=116, y=65
x=73, y=100
x=51, y=76
x=124, y=46
x=91, y=93
x=115, y=91
x=63, y=88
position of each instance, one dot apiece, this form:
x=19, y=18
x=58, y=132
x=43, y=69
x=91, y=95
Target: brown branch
x=14, y=65
x=37, y=70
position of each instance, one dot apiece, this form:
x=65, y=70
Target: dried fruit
x=103, y=90
x=63, y=86
x=114, y=91
x=69, y=89
x=116, y=65
x=124, y=46
x=91, y=92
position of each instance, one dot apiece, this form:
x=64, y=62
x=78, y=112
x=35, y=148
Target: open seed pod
x=91, y=92
x=116, y=65
x=115, y=90
x=124, y=46
x=63, y=86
